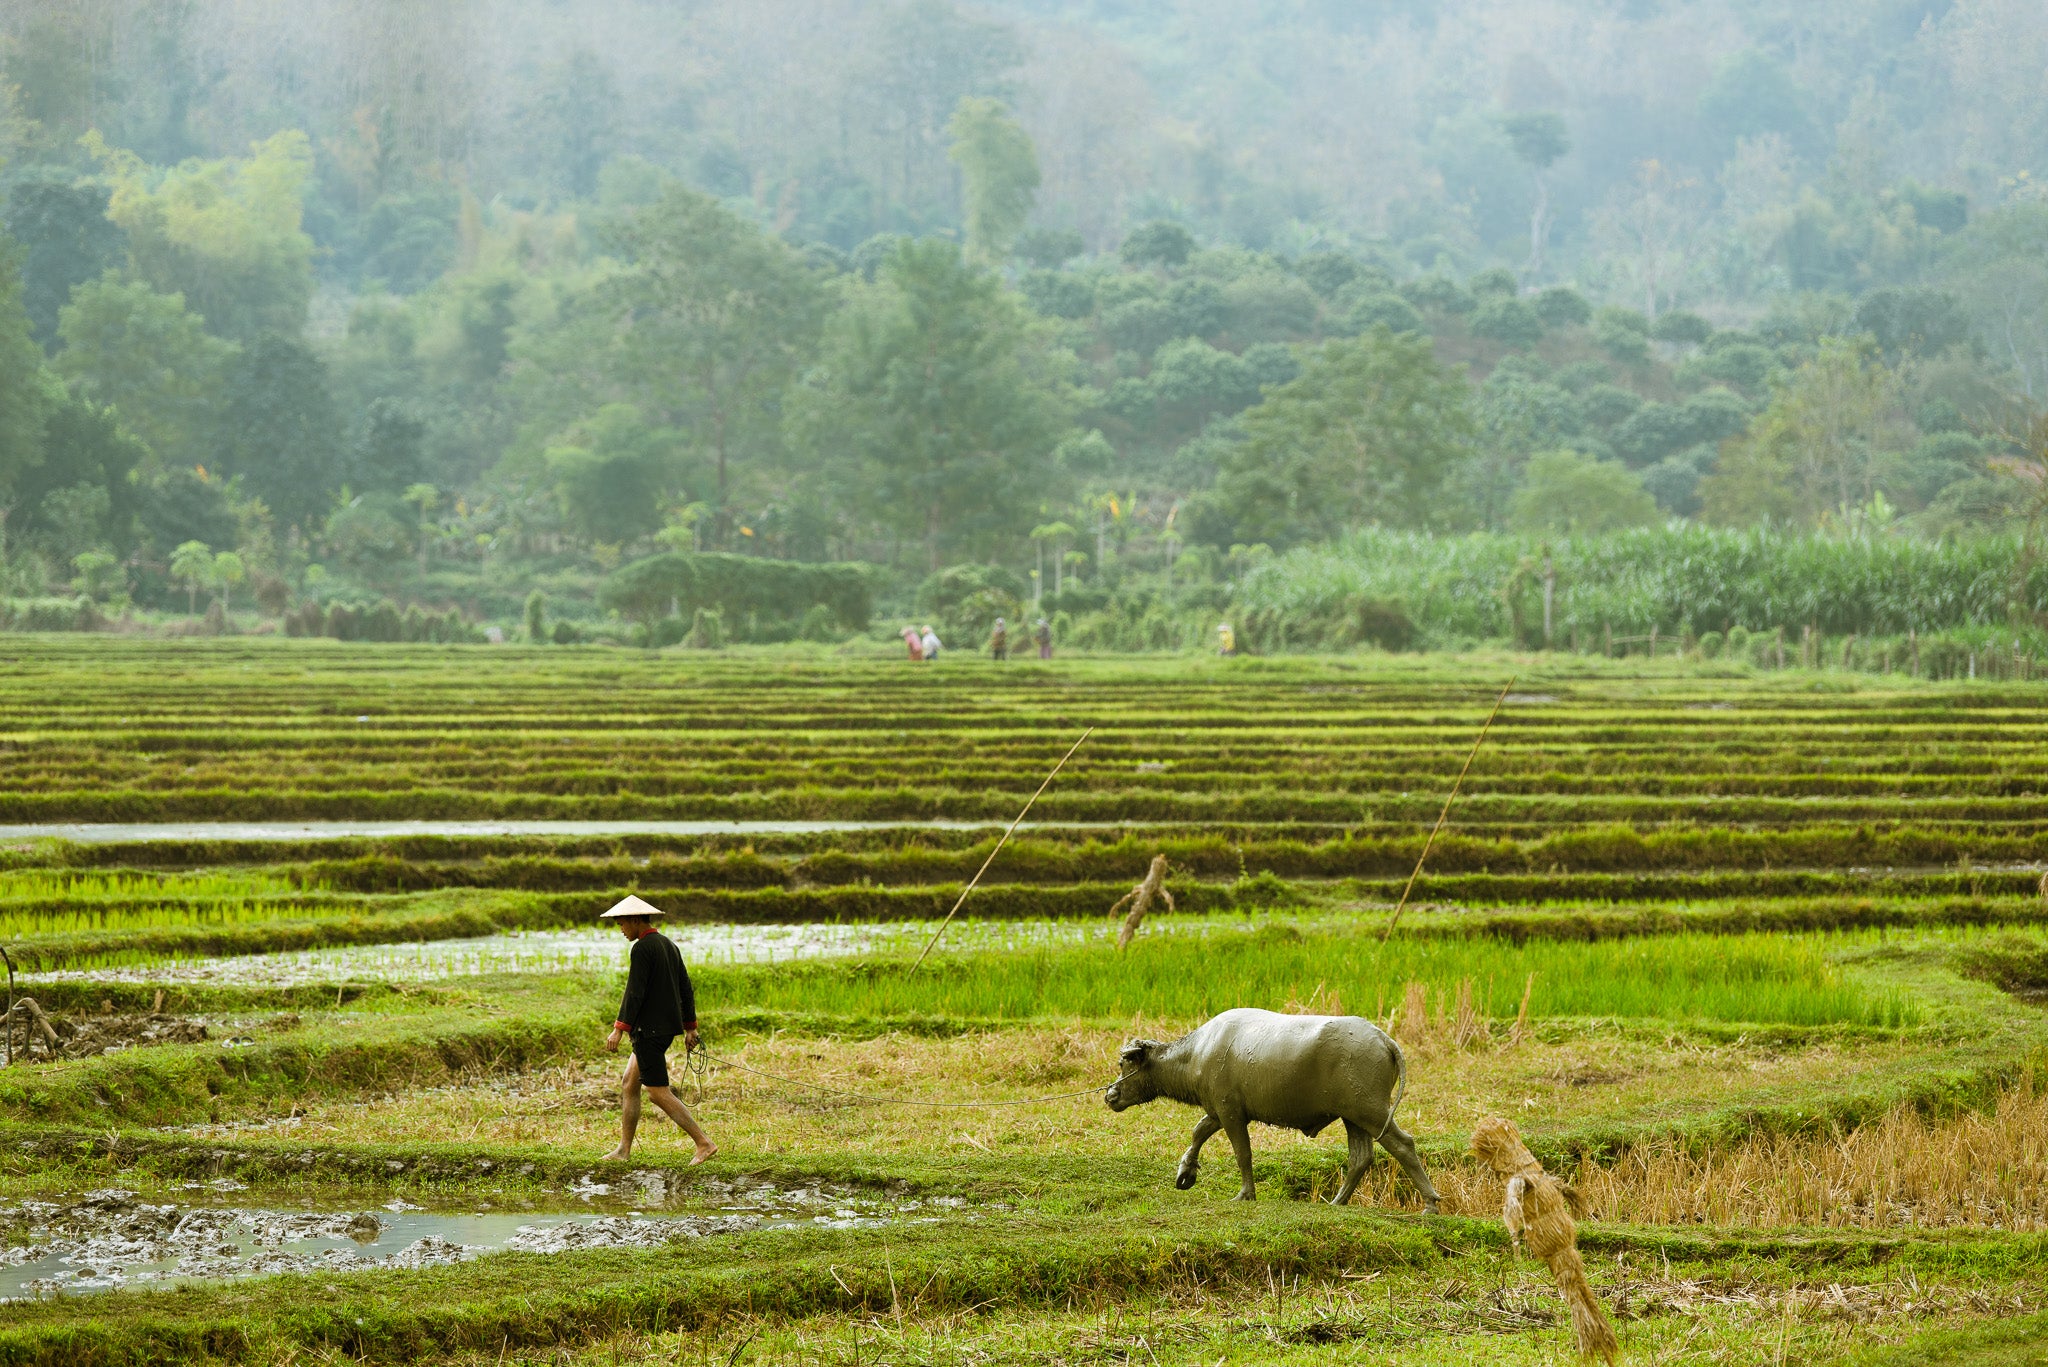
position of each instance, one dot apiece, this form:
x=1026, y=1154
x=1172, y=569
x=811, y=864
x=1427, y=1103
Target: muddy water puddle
x=113, y=1238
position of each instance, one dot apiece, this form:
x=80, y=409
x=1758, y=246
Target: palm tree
x=1055, y=533
x=192, y=566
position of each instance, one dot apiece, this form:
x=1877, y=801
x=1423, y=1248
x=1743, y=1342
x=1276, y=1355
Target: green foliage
x=1370, y=432
x=737, y=587
x=1049, y=248
x=1561, y=306
x=1623, y=334
x=1387, y=310
x=536, y=617
x=66, y=239
x=1666, y=577
x=702, y=333
x=1565, y=493
x=1509, y=321
x=936, y=382
x=965, y=600
x=192, y=565
x=141, y=353
x=998, y=175
x=616, y=488
x=225, y=235
x=1159, y=243
x=279, y=428
x=1538, y=139
x=24, y=398
x=1822, y=446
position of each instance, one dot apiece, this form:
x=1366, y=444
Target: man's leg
x=629, y=1110
x=672, y=1106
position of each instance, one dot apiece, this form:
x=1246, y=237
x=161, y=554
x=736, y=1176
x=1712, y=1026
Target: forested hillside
x=1095, y=306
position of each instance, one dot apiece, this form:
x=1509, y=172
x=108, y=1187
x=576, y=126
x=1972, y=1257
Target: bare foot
x=703, y=1154
x=618, y=1155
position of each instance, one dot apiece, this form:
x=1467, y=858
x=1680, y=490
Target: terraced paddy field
x=1760, y=962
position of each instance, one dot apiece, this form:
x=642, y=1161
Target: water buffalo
x=1297, y=1072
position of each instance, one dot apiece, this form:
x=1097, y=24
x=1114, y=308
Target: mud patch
x=45, y=1038
x=114, y=1238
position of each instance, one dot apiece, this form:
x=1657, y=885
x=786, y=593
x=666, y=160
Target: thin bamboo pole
x=1443, y=815
x=998, y=850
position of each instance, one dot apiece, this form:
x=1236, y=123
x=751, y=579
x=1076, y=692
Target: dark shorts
x=651, y=1051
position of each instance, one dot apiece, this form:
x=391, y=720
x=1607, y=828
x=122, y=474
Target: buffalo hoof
x=1184, y=1180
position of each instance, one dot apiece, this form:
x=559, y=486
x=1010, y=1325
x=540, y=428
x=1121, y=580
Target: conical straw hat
x=632, y=906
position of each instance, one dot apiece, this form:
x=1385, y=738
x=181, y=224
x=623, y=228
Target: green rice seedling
x=1763, y=979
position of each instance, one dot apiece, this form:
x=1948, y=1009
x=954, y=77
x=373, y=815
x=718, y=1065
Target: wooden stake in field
x=1444, y=815
x=998, y=849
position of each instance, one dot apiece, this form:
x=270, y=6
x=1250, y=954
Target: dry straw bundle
x=1139, y=899
x=1538, y=1212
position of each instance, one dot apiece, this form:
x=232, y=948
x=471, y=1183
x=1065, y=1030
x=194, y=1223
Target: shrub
x=1623, y=334
x=1383, y=310
x=1508, y=321
x=1562, y=306
x=773, y=591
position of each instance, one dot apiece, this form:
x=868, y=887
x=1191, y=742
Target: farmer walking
x=659, y=1005
x=1044, y=638
x=999, y=641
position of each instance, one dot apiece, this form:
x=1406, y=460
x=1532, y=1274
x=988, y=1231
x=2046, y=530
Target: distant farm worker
x=916, y=646
x=999, y=641
x=1226, y=639
x=1044, y=638
x=659, y=1005
x=930, y=643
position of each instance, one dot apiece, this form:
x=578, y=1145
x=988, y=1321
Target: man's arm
x=636, y=989
x=689, y=997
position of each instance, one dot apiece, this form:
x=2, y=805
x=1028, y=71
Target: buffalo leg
x=1241, y=1141
x=1191, y=1160
x=1395, y=1141
x=1361, y=1159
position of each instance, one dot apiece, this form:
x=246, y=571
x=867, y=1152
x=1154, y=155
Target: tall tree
x=928, y=57
x=707, y=327
x=1823, y=445
x=227, y=235
x=25, y=395
x=1539, y=140
x=151, y=359
x=66, y=239
x=574, y=121
x=1372, y=431
x=279, y=428
x=938, y=382
x=998, y=176
x=85, y=446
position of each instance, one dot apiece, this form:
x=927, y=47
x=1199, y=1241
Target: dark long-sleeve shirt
x=659, y=999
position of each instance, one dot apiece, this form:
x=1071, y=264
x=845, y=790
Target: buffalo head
x=1134, y=1085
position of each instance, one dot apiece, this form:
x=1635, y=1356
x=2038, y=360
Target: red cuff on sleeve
x=690, y=1026
x=621, y=1025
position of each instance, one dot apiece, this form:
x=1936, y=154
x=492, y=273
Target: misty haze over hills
x=446, y=303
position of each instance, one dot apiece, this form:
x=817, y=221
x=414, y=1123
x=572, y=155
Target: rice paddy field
x=1759, y=962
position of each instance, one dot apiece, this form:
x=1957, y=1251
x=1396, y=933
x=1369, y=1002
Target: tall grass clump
x=1761, y=979
x=1488, y=586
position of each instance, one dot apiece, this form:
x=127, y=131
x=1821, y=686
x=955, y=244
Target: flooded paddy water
x=105, y=1239
x=600, y=950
